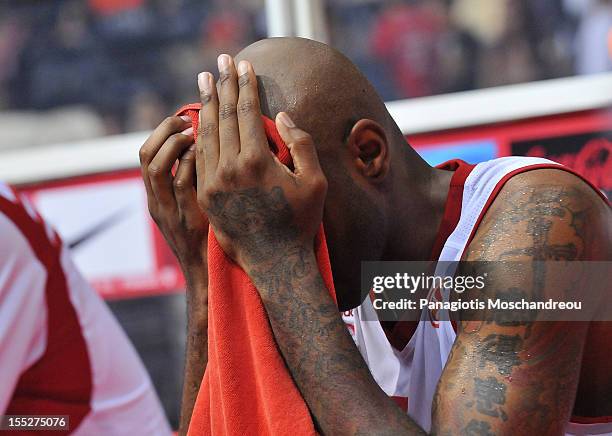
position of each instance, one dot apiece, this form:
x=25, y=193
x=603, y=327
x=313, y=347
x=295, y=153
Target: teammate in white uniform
x=61, y=350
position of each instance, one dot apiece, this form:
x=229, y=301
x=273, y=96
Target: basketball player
x=380, y=201
x=61, y=350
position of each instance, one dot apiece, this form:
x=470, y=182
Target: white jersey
x=410, y=375
x=61, y=350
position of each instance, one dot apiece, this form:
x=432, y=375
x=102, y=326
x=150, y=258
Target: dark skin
x=173, y=206
x=524, y=378
x=370, y=168
x=265, y=217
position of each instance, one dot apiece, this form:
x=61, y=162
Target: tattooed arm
x=324, y=362
x=513, y=376
x=265, y=217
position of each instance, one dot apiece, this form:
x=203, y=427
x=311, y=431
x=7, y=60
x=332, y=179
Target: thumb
x=300, y=144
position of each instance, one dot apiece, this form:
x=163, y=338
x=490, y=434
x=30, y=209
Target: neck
x=420, y=199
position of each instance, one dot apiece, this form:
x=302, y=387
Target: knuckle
x=201, y=197
x=301, y=143
x=251, y=161
x=179, y=185
x=210, y=191
x=246, y=107
x=180, y=140
x=173, y=140
x=152, y=210
x=188, y=157
x=319, y=184
x=227, y=173
x=227, y=110
x=172, y=122
x=205, y=194
x=153, y=170
x=303, y=139
x=155, y=217
x=208, y=129
x=144, y=155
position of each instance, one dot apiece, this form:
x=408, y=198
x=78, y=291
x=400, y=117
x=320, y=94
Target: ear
x=368, y=144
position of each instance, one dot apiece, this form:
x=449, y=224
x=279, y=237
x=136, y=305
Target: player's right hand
x=172, y=198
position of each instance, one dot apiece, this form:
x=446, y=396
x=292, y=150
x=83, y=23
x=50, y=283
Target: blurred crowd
x=419, y=48
x=128, y=63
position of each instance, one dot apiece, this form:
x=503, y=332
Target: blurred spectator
x=69, y=65
x=113, y=7
x=12, y=38
x=132, y=61
x=118, y=19
x=508, y=50
x=406, y=36
x=592, y=53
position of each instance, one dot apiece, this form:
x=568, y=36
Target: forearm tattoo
x=326, y=366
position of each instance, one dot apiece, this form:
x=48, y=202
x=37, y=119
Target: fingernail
x=284, y=118
x=204, y=82
x=186, y=118
x=223, y=62
x=243, y=67
x=192, y=147
x=188, y=131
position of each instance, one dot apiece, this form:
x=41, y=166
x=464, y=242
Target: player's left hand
x=172, y=197
x=258, y=208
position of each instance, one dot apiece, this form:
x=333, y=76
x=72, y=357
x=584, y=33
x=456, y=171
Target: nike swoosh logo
x=98, y=228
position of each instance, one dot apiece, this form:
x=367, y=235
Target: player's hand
x=172, y=198
x=258, y=209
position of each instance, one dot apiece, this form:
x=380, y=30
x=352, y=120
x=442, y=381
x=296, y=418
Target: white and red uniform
x=61, y=350
x=411, y=375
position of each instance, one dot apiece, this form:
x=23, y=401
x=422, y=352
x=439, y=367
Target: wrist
x=287, y=268
x=195, y=273
x=196, y=294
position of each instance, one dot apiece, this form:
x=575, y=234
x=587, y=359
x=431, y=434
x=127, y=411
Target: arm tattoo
x=477, y=428
x=489, y=395
x=509, y=374
x=322, y=358
x=502, y=351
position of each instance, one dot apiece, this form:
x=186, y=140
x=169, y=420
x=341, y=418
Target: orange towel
x=247, y=389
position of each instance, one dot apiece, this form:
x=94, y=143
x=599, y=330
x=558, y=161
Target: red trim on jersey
x=503, y=180
x=452, y=209
x=399, y=333
x=60, y=382
x=590, y=420
x=402, y=402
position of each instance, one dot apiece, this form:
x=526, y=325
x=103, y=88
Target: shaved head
x=365, y=157
x=315, y=84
